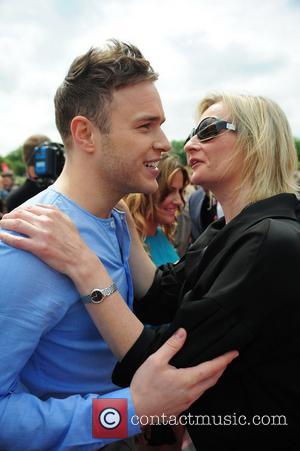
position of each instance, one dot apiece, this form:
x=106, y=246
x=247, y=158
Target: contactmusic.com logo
x=110, y=418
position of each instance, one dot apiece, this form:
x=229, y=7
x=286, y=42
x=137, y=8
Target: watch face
x=96, y=296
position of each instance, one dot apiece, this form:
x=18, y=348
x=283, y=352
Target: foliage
x=15, y=162
x=177, y=150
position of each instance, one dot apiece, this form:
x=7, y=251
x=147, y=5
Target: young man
x=53, y=361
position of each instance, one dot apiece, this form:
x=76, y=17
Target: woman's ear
x=82, y=131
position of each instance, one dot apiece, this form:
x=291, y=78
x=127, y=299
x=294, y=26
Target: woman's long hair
x=144, y=207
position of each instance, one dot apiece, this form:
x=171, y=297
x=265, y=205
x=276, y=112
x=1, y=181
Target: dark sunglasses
x=209, y=128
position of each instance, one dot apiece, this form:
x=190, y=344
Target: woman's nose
x=192, y=144
x=177, y=199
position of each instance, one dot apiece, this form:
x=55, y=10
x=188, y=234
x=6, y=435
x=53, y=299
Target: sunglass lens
x=207, y=128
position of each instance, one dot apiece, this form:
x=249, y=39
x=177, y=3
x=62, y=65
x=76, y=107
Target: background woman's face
x=168, y=208
x=210, y=160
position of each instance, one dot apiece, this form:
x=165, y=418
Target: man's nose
x=162, y=143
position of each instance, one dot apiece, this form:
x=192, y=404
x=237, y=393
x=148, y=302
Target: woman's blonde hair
x=144, y=207
x=264, y=140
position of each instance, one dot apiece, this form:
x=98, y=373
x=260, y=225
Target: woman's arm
x=141, y=265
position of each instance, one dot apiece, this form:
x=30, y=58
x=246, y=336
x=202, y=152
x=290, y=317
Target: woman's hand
x=49, y=234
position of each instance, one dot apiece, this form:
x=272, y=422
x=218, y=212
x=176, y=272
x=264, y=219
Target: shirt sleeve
x=26, y=421
x=246, y=302
x=56, y=424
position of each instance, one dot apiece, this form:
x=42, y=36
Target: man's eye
x=146, y=126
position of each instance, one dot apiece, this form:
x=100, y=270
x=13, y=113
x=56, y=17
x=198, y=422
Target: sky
x=196, y=46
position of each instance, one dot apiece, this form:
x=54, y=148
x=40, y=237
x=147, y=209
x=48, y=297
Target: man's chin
x=150, y=188
x=145, y=188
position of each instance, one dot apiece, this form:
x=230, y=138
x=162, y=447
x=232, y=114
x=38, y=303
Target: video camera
x=49, y=161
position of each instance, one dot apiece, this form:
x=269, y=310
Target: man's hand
x=158, y=388
x=49, y=234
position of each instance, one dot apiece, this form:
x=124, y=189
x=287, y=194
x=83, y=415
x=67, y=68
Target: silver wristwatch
x=97, y=295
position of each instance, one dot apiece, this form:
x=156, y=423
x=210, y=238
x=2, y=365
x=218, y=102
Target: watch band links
x=97, y=295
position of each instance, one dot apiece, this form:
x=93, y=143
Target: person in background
x=200, y=210
x=155, y=214
x=8, y=183
x=182, y=236
x=203, y=209
x=7, y=186
x=30, y=187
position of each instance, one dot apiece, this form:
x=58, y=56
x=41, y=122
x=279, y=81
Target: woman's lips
x=194, y=162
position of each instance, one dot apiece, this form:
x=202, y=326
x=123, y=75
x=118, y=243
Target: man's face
x=132, y=149
x=7, y=182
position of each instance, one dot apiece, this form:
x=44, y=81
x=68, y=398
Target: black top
x=237, y=288
x=23, y=193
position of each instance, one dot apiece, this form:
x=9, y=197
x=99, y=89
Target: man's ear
x=82, y=131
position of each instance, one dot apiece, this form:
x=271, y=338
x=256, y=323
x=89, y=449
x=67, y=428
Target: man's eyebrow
x=150, y=118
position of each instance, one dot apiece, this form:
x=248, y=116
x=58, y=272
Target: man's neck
x=88, y=193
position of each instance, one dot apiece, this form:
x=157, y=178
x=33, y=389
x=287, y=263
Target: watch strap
x=97, y=295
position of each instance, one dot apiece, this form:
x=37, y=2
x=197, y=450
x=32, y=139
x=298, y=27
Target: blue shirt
x=160, y=248
x=53, y=361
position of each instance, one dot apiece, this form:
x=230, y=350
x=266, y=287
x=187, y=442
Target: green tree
x=14, y=160
x=178, y=151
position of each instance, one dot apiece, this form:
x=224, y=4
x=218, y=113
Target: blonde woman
x=237, y=288
x=155, y=214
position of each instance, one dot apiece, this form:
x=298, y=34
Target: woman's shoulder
x=278, y=239
x=282, y=228
x=282, y=231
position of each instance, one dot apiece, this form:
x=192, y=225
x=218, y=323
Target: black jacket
x=29, y=189
x=238, y=287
